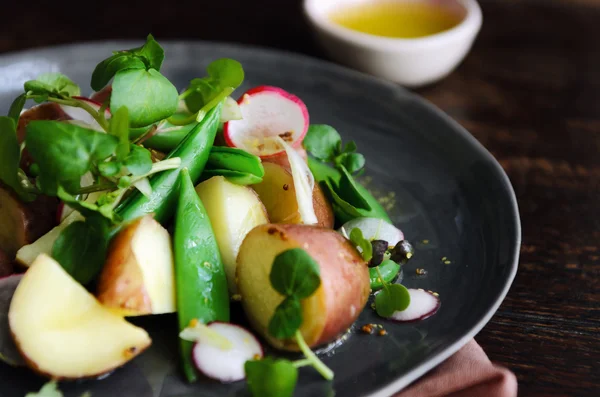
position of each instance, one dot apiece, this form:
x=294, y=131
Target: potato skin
x=23, y=223
x=344, y=289
x=121, y=282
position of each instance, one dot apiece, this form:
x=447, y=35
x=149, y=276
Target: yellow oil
x=409, y=19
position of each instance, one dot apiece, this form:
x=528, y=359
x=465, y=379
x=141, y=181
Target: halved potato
x=331, y=310
x=63, y=332
x=233, y=211
x=138, y=277
x=278, y=194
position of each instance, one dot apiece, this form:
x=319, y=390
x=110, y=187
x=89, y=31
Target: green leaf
x=239, y=178
x=16, y=107
x=235, y=160
x=350, y=147
x=10, y=158
x=340, y=205
x=52, y=84
x=286, y=319
x=353, y=162
x=224, y=76
x=81, y=248
x=149, y=56
x=64, y=152
x=393, y=297
x=119, y=127
x=357, y=238
x=50, y=389
x=149, y=96
x=107, y=69
x=322, y=141
x=109, y=168
x=87, y=209
x=295, y=273
x=271, y=378
x=151, y=52
x=347, y=188
x=139, y=161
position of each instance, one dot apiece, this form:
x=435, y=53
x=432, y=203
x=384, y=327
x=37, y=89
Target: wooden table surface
x=529, y=91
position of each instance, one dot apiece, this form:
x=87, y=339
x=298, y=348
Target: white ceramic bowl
x=410, y=62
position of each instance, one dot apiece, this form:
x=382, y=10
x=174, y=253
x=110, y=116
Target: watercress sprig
x=296, y=276
x=203, y=94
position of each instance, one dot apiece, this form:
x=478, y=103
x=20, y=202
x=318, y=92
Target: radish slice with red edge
x=79, y=114
x=423, y=304
x=226, y=365
x=8, y=350
x=374, y=229
x=267, y=112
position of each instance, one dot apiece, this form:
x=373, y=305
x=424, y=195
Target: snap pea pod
x=388, y=269
x=199, y=274
x=343, y=209
x=237, y=165
x=193, y=152
x=166, y=139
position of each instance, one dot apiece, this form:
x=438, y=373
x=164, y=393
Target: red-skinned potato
x=138, y=275
x=277, y=193
x=335, y=305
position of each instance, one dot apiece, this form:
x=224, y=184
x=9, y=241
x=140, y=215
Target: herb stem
x=312, y=357
x=301, y=363
x=182, y=122
x=381, y=277
x=96, y=115
x=98, y=187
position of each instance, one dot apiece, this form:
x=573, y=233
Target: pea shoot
x=296, y=276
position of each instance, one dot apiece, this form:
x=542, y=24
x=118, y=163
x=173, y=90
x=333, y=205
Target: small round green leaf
x=295, y=273
x=393, y=297
x=271, y=378
x=287, y=319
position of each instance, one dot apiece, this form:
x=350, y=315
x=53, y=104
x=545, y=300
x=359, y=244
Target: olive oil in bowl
x=397, y=19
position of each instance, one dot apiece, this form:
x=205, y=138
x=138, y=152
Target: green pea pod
x=199, y=274
x=330, y=178
x=166, y=139
x=239, y=178
x=233, y=159
x=193, y=152
x=388, y=269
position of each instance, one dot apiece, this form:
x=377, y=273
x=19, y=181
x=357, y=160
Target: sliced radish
x=226, y=365
x=268, y=112
x=423, y=304
x=231, y=110
x=8, y=349
x=79, y=114
x=374, y=229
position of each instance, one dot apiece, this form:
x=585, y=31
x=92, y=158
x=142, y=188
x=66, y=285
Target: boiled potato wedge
x=63, y=332
x=335, y=305
x=277, y=193
x=233, y=211
x=138, y=277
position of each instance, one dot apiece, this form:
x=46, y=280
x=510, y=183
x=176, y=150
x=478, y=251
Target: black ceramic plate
x=451, y=197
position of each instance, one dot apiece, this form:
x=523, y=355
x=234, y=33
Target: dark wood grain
x=529, y=91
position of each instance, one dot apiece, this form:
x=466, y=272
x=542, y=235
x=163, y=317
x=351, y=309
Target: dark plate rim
x=420, y=370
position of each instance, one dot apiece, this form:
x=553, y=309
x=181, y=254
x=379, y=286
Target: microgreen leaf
x=10, y=157
x=286, y=319
x=295, y=273
x=271, y=378
x=52, y=84
x=81, y=248
x=149, y=96
x=64, y=152
x=323, y=142
x=357, y=238
x=16, y=107
x=119, y=127
x=393, y=297
x=350, y=147
x=224, y=76
x=139, y=161
x=237, y=177
x=85, y=208
x=353, y=162
x=109, y=168
x=149, y=56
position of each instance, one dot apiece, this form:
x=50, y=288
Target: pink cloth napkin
x=468, y=373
